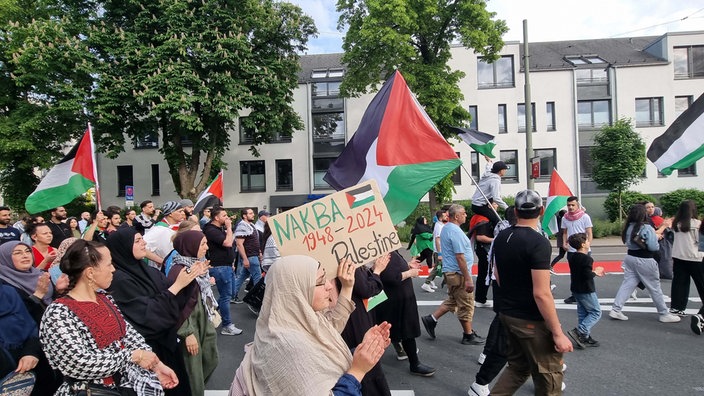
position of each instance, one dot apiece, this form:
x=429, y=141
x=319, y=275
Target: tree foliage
x=183, y=70
x=671, y=201
x=415, y=36
x=618, y=156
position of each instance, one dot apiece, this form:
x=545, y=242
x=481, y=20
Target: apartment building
x=577, y=87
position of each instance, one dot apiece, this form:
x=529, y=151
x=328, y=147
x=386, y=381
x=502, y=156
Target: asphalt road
x=636, y=357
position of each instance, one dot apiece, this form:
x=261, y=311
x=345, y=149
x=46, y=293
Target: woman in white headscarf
x=293, y=322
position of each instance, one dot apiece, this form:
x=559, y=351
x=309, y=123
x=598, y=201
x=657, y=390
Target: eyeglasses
x=21, y=252
x=322, y=282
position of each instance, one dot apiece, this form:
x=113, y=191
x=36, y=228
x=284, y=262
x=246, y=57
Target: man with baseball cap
x=487, y=198
x=525, y=304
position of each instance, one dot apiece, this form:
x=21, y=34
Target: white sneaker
x=231, y=330
x=634, y=296
x=427, y=287
x=619, y=315
x=433, y=285
x=669, y=318
x=481, y=358
x=564, y=368
x=487, y=304
x=478, y=390
x=564, y=385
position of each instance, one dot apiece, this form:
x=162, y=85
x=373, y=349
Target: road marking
x=393, y=393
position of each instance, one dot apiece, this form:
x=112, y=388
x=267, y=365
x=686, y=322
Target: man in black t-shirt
x=59, y=229
x=526, y=307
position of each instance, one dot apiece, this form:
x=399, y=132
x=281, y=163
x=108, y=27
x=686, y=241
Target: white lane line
x=393, y=393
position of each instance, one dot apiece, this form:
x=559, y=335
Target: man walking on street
x=525, y=304
x=457, y=259
x=249, y=249
x=222, y=255
x=429, y=284
x=575, y=221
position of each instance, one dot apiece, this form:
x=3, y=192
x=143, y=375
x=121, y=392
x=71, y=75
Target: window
x=320, y=168
x=689, y=61
x=252, y=176
x=457, y=176
x=284, y=175
x=328, y=119
x=155, y=180
x=328, y=126
x=548, y=160
x=124, y=178
x=550, y=118
x=327, y=73
x=247, y=134
x=591, y=76
x=510, y=157
x=522, y=117
x=502, y=119
x=498, y=74
x=474, y=170
x=330, y=88
x=649, y=112
x=474, y=124
x=682, y=103
x=585, y=162
x=149, y=141
x=578, y=60
x=688, y=172
x=593, y=114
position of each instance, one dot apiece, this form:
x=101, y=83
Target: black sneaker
x=570, y=300
x=235, y=300
x=423, y=370
x=697, y=324
x=589, y=341
x=400, y=352
x=429, y=323
x=678, y=312
x=576, y=337
x=472, y=339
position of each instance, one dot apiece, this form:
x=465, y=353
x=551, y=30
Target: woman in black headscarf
x=148, y=301
x=422, y=235
x=198, y=337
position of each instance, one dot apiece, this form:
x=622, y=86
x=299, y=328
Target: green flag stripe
x=56, y=196
x=554, y=206
x=408, y=184
x=685, y=162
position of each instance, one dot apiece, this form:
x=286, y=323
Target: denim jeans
x=254, y=271
x=588, y=311
x=223, y=281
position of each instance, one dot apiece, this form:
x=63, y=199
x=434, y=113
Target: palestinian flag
x=68, y=179
x=481, y=142
x=682, y=144
x=558, y=192
x=397, y=145
x=214, y=190
x=360, y=196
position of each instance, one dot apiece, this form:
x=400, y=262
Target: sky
x=549, y=20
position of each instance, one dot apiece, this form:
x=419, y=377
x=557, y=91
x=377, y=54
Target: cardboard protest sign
x=352, y=223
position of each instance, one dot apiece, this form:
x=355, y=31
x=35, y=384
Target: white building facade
x=576, y=88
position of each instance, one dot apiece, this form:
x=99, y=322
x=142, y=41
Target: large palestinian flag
x=558, y=192
x=682, y=144
x=397, y=145
x=68, y=179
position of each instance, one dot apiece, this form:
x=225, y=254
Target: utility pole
x=528, y=108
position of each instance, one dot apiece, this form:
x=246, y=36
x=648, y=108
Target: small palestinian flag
x=682, y=144
x=397, y=145
x=558, y=192
x=214, y=190
x=481, y=142
x=360, y=196
x=68, y=179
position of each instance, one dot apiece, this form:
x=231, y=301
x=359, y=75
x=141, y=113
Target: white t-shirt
x=437, y=229
x=575, y=227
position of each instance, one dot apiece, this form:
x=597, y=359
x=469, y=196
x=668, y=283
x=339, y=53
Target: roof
x=628, y=51
x=316, y=62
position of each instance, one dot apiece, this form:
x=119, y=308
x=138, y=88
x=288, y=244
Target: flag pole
x=95, y=167
x=480, y=190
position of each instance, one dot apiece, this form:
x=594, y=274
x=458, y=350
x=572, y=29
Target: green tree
x=414, y=36
x=182, y=70
x=44, y=80
x=618, y=156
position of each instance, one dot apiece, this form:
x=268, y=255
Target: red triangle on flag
x=406, y=131
x=83, y=161
x=558, y=186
